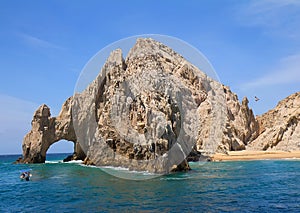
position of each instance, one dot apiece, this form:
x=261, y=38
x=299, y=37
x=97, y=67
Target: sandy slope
x=255, y=155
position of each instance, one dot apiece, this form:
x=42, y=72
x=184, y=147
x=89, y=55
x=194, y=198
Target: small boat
x=25, y=174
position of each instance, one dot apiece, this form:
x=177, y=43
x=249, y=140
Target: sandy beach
x=255, y=155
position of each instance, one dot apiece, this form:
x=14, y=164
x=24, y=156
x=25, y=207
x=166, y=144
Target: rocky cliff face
x=279, y=128
x=241, y=127
x=149, y=111
x=140, y=112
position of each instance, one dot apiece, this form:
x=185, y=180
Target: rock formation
x=47, y=130
x=150, y=111
x=132, y=114
x=279, y=128
x=241, y=126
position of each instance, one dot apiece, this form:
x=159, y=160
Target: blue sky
x=254, y=47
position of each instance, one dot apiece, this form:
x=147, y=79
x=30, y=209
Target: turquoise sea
x=245, y=186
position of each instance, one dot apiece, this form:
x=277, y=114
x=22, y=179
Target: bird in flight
x=256, y=98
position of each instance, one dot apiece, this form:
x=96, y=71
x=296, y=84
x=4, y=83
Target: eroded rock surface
x=135, y=110
x=148, y=111
x=47, y=130
x=241, y=126
x=279, y=128
x=154, y=101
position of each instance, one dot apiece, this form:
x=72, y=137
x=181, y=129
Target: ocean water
x=244, y=186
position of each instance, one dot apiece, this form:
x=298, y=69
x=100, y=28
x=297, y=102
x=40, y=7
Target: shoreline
x=255, y=155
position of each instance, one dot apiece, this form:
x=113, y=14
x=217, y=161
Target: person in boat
x=22, y=176
x=26, y=175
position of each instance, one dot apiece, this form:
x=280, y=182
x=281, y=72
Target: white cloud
x=286, y=72
x=274, y=16
x=37, y=42
x=15, y=121
x=15, y=117
x=10, y=104
x=258, y=6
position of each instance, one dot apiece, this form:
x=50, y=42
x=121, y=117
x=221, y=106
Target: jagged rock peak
x=42, y=111
x=149, y=46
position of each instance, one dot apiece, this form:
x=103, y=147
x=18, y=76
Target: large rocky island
x=155, y=111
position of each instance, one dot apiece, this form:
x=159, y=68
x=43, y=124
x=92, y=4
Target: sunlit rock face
x=141, y=112
x=47, y=130
x=279, y=128
x=147, y=112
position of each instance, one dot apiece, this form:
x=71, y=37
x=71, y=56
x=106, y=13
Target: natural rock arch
x=47, y=130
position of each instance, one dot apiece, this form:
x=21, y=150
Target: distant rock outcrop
x=279, y=128
x=150, y=110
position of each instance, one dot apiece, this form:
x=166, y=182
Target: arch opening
x=61, y=147
x=61, y=150
x=65, y=150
